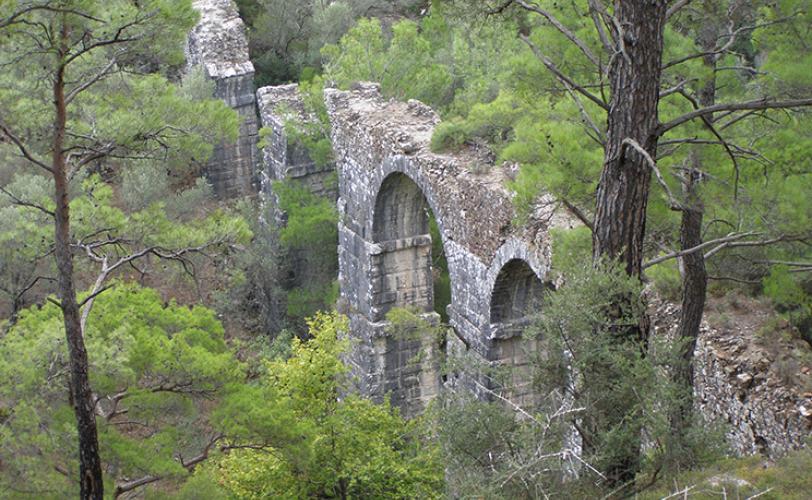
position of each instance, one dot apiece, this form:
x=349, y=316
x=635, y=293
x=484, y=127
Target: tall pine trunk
x=694, y=274
x=622, y=196
x=90, y=471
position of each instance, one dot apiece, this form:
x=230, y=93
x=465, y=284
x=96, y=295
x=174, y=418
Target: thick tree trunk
x=90, y=471
x=622, y=196
x=634, y=78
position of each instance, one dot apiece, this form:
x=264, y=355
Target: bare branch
x=23, y=203
x=598, y=13
x=22, y=148
x=122, y=488
x=759, y=104
x=679, y=4
x=758, y=243
x=673, y=255
x=708, y=122
x=91, y=81
x=578, y=214
x=734, y=279
x=187, y=464
x=562, y=29
x=785, y=263
x=15, y=17
x=676, y=88
x=95, y=294
x=587, y=119
x=107, y=269
x=673, y=201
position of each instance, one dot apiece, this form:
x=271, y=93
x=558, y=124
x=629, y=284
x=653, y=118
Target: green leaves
x=154, y=366
x=404, y=66
x=318, y=440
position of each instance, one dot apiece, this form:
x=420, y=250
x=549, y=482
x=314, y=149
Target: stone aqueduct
x=388, y=181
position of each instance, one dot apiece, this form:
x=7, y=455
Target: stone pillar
x=385, y=262
x=218, y=44
x=285, y=159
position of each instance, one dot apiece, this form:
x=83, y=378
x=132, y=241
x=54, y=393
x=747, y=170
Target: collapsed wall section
x=738, y=384
x=219, y=45
x=283, y=157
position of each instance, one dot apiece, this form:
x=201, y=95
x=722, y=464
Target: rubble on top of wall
x=218, y=41
x=281, y=157
x=473, y=206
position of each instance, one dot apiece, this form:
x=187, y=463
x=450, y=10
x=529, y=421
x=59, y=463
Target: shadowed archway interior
x=516, y=296
x=403, y=268
x=402, y=276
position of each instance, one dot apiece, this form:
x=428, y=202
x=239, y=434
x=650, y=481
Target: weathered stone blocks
x=283, y=158
x=388, y=180
x=218, y=44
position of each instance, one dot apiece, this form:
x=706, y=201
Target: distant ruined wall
x=736, y=383
x=285, y=159
x=218, y=43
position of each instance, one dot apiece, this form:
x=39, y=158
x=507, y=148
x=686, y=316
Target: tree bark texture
x=90, y=471
x=622, y=195
x=694, y=274
x=634, y=78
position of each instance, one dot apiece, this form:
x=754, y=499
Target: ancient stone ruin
x=218, y=44
x=284, y=159
x=389, y=183
x=388, y=180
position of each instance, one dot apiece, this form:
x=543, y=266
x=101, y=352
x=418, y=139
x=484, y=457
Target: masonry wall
x=283, y=158
x=218, y=43
x=374, y=140
x=495, y=268
x=737, y=385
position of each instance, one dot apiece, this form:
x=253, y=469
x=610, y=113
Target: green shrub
x=750, y=477
x=448, y=136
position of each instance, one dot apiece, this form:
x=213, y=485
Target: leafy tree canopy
x=155, y=366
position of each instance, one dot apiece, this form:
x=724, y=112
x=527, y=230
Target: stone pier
x=218, y=43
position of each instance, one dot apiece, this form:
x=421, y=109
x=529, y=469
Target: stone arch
x=516, y=294
x=400, y=210
x=401, y=276
x=401, y=265
x=397, y=220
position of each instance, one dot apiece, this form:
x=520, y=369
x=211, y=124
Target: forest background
x=206, y=376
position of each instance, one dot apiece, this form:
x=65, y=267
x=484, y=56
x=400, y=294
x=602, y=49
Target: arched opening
x=516, y=296
x=400, y=210
x=516, y=293
x=404, y=275
x=412, y=270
